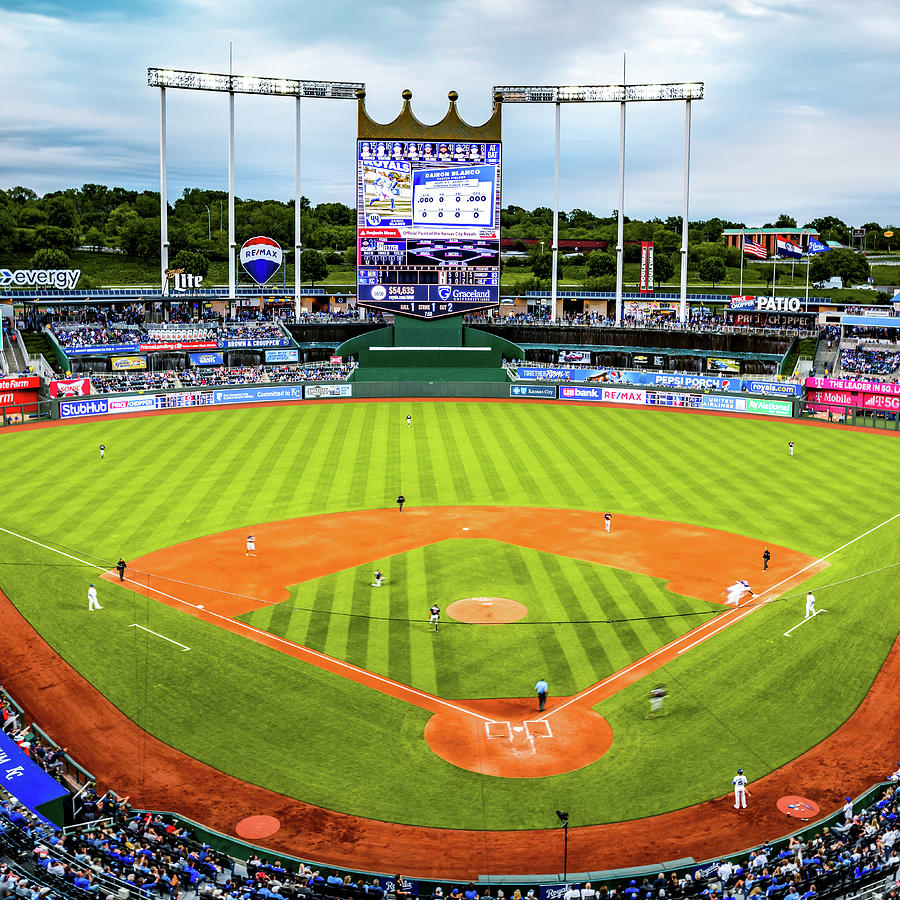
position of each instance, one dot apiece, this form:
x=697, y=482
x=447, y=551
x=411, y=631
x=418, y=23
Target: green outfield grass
x=340, y=615
x=750, y=697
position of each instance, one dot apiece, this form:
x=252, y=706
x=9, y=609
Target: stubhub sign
x=76, y=409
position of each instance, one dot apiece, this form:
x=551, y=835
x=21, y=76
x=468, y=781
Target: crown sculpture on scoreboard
x=407, y=127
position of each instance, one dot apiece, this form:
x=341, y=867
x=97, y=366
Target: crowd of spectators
x=95, y=335
x=210, y=376
x=308, y=373
x=215, y=376
x=118, y=853
x=118, y=382
x=865, y=361
x=272, y=331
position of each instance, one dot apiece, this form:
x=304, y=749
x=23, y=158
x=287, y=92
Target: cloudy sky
x=801, y=112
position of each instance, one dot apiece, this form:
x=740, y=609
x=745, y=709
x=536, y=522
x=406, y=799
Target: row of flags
x=783, y=247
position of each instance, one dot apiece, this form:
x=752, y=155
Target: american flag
x=752, y=248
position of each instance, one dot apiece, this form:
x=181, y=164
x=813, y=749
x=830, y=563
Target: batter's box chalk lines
x=801, y=622
x=184, y=647
x=498, y=730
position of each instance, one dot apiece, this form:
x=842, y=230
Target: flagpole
x=741, y=288
x=806, y=304
x=774, y=261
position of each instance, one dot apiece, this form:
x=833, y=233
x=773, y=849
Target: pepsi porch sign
x=261, y=258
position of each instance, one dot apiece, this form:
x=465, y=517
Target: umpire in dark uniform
x=121, y=566
x=400, y=501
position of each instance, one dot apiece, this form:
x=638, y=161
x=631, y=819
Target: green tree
x=54, y=238
x=542, y=265
x=140, y=237
x=50, y=259
x=61, y=212
x=849, y=265
x=785, y=221
x=712, y=269
x=192, y=262
x=663, y=267
x=600, y=263
x=313, y=265
x=94, y=238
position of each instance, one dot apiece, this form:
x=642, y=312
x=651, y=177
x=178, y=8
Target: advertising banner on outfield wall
x=128, y=363
x=533, y=390
x=77, y=409
x=316, y=391
x=260, y=394
x=780, y=388
x=252, y=343
x=282, y=356
x=603, y=394
x=852, y=384
x=177, y=345
x=689, y=382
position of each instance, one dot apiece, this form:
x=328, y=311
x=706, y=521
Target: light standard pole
x=238, y=84
x=621, y=94
x=208, y=223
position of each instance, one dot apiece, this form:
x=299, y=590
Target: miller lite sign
x=261, y=258
x=181, y=281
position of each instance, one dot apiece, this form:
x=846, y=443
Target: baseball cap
x=740, y=771
x=847, y=799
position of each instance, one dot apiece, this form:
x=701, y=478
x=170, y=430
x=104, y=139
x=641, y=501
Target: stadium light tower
x=621, y=94
x=231, y=85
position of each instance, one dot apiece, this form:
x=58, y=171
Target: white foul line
x=731, y=621
x=271, y=637
x=183, y=646
x=787, y=633
x=789, y=578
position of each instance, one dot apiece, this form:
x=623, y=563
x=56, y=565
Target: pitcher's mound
x=487, y=610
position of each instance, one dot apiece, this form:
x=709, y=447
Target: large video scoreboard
x=428, y=226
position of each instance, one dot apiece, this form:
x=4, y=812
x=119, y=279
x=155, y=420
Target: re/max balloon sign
x=261, y=258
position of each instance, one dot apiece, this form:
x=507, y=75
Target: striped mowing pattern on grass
x=344, y=616
x=748, y=697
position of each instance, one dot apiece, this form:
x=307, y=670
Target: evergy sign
x=64, y=279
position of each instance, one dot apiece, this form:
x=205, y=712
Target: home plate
x=200, y=606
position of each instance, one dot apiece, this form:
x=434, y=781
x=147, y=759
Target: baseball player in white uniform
x=740, y=790
x=251, y=546
x=379, y=578
x=93, y=602
x=736, y=592
x=435, y=615
x=810, y=605
x=607, y=521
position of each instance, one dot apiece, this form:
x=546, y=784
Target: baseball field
x=288, y=670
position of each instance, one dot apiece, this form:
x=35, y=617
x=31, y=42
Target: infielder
x=251, y=546
x=736, y=592
x=740, y=790
x=607, y=522
x=93, y=602
x=435, y=616
x=810, y=605
x=379, y=578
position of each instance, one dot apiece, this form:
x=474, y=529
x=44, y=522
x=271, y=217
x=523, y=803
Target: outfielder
x=379, y=578
x=435, y=616
x=740, y=790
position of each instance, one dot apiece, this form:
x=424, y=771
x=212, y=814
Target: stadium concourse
x=114, y=851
